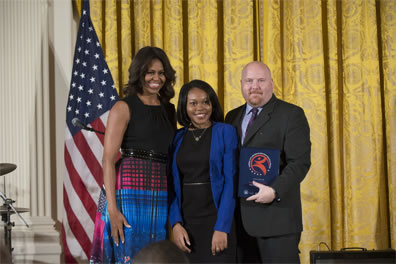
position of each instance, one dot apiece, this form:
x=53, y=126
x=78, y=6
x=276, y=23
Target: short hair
x=139, y=68
x=217, y=111
x=257, y=63
x=160, y=252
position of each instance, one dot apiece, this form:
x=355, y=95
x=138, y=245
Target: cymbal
x=6, y=168
x=3, y=210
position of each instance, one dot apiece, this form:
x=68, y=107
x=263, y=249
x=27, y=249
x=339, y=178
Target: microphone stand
x=92, y=130
x=77, y=123
x=7, y=221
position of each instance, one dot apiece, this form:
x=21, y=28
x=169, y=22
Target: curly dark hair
x=217, y=112
x=138, y=70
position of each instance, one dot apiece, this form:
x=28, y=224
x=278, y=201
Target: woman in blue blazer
x=203, y=167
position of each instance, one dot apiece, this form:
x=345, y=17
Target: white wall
x=36, y=49
x=63, y=31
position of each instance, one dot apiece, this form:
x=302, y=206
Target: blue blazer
x=222, y=164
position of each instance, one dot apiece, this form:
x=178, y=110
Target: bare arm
x=117, y=123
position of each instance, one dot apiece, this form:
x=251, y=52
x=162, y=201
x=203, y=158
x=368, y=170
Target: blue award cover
x=257, y=164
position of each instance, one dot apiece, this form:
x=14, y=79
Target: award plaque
x=257, y=164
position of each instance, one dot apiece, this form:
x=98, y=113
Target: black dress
x=198, y=209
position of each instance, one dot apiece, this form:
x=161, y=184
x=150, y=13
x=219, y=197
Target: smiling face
x=154, y=79
x=199, y=108
x=256, y=84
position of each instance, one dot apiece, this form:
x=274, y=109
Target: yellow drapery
x=336, y=59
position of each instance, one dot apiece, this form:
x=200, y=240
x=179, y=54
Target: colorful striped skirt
x=141, y=192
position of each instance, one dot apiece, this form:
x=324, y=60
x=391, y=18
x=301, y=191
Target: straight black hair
x=217, y=112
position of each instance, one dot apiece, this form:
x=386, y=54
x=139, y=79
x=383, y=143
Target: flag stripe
x=90, y=160
x=79, y=163
x=68, y=255
x=78, y=207
x=104, y=119
x=98, y=125
x=79, y=186
x=96, y=146
x=76, y=226
x=82, y=169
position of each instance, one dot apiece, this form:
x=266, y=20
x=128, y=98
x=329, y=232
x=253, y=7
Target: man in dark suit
x=273, y=215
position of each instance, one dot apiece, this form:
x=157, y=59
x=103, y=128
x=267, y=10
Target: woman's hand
x=219, y=242
x=181, y=238
x=117, y=222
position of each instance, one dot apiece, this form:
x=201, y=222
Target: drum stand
x=5, y=217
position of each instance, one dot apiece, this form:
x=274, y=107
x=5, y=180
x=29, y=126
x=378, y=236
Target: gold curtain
x=336, y=59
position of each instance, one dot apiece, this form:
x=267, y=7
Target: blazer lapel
x=261, y=120
x=238, y=120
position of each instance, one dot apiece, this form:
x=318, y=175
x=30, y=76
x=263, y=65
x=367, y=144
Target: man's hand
x=219, y=242
x=181, y=238
x=265, y=194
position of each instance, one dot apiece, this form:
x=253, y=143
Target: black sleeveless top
x=151, y=127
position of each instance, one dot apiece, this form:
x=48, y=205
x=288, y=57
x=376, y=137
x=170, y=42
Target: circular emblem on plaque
x=259, y=164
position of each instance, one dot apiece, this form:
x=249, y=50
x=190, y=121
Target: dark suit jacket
x=283, y=126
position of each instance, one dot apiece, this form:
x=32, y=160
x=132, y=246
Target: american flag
x=92, y=94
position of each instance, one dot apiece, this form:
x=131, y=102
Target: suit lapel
x=238, y=120
x=261, y=120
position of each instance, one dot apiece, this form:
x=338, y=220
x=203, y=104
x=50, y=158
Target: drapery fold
x=336, y=59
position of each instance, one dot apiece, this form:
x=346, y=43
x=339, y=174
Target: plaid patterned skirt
x=141, y=192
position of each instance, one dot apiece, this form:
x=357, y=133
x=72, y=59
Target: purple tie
x=254, y=112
